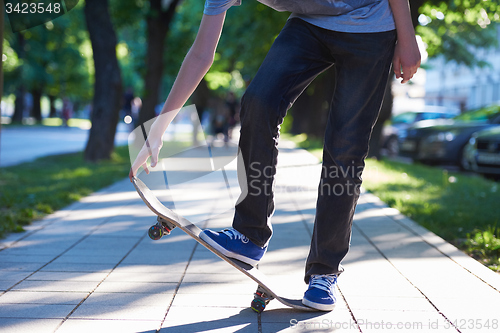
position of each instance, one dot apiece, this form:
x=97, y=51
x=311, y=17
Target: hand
x=406, y=60
x=148, y=149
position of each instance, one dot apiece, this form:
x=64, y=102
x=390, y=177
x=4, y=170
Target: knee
x=260, y=102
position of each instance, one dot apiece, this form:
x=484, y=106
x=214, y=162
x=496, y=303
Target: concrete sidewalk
x=92, y=268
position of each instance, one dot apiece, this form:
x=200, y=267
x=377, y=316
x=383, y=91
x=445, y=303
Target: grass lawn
x=462, y=209
x=73, y=122
x=31, y=190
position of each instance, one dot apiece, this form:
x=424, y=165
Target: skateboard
x=167, y=220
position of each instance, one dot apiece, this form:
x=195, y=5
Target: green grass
x=73, y=122
x=485, y=247
x=312, y=145
x=462, y=209
x=52, y=122
x=32, y=190
x=449, y=204
x=457, y=207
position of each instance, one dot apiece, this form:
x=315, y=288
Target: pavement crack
x=349, y=309
x=56, y=257
x=178, y=286
x=401, y=273
x=97, y=286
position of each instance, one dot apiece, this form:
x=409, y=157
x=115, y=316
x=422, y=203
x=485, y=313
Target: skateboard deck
x=169, y=220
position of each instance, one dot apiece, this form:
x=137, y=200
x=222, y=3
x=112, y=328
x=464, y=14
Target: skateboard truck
x=260, y=300
x=160, y=229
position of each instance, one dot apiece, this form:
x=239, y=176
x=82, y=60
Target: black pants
x=301, y=52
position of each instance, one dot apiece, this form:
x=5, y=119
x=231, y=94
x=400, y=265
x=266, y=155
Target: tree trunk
x=158, y=22
x=36, y=111
x=19, y=104
x=53, y=111
x=17, y=116
x=107, y=86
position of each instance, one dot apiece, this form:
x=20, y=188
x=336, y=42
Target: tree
x=20, y=89
x=158, y=21
x=248, y=34
x=107, y=86
x=457, y=29
x=48, y=60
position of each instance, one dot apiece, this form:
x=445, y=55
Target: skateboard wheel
x=155, y=232
x=258, y=305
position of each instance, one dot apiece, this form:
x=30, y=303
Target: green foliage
x=129, y=20
x=456, y=29
x=454, y=206
x=451, y=205
x=311, y=144
x=11, y=61
x=50, y=57
x=248, y=33
x=32, y=190
x=483, y=114
x=485, y=246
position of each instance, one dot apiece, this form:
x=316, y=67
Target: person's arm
x=196, y=64
x=406, y=59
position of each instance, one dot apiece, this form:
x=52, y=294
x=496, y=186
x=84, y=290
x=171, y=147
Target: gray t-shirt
x=356, y=16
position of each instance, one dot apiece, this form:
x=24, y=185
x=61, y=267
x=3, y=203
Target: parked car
x=443, y=140
x=402, y=121
x=482, y=152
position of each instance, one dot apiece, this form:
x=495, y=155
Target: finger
x=131, y=174
x=407, y=74
x=396, y=66
x=145, y=167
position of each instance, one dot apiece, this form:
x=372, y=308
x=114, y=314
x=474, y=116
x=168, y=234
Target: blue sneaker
x=234, y=244
x=322, y=292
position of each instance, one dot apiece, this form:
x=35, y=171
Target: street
x=24, y=144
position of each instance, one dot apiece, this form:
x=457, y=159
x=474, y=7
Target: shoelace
x=236, y=234
x=323, y=282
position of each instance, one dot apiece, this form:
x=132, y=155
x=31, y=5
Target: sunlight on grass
x=451, y=205
x=454, y=206
x=32, y=190
x=74, y=122
x=312, y=145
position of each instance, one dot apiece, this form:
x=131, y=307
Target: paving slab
x=108, y=325
x=110, y=277
x=15, y=325
x=43, y=297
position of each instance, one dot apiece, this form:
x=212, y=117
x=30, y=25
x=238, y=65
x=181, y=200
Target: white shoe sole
x=318, y=306
x=227, y=253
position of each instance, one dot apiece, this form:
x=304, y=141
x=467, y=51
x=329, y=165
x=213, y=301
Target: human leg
x=362, y=68
x=295, y=59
